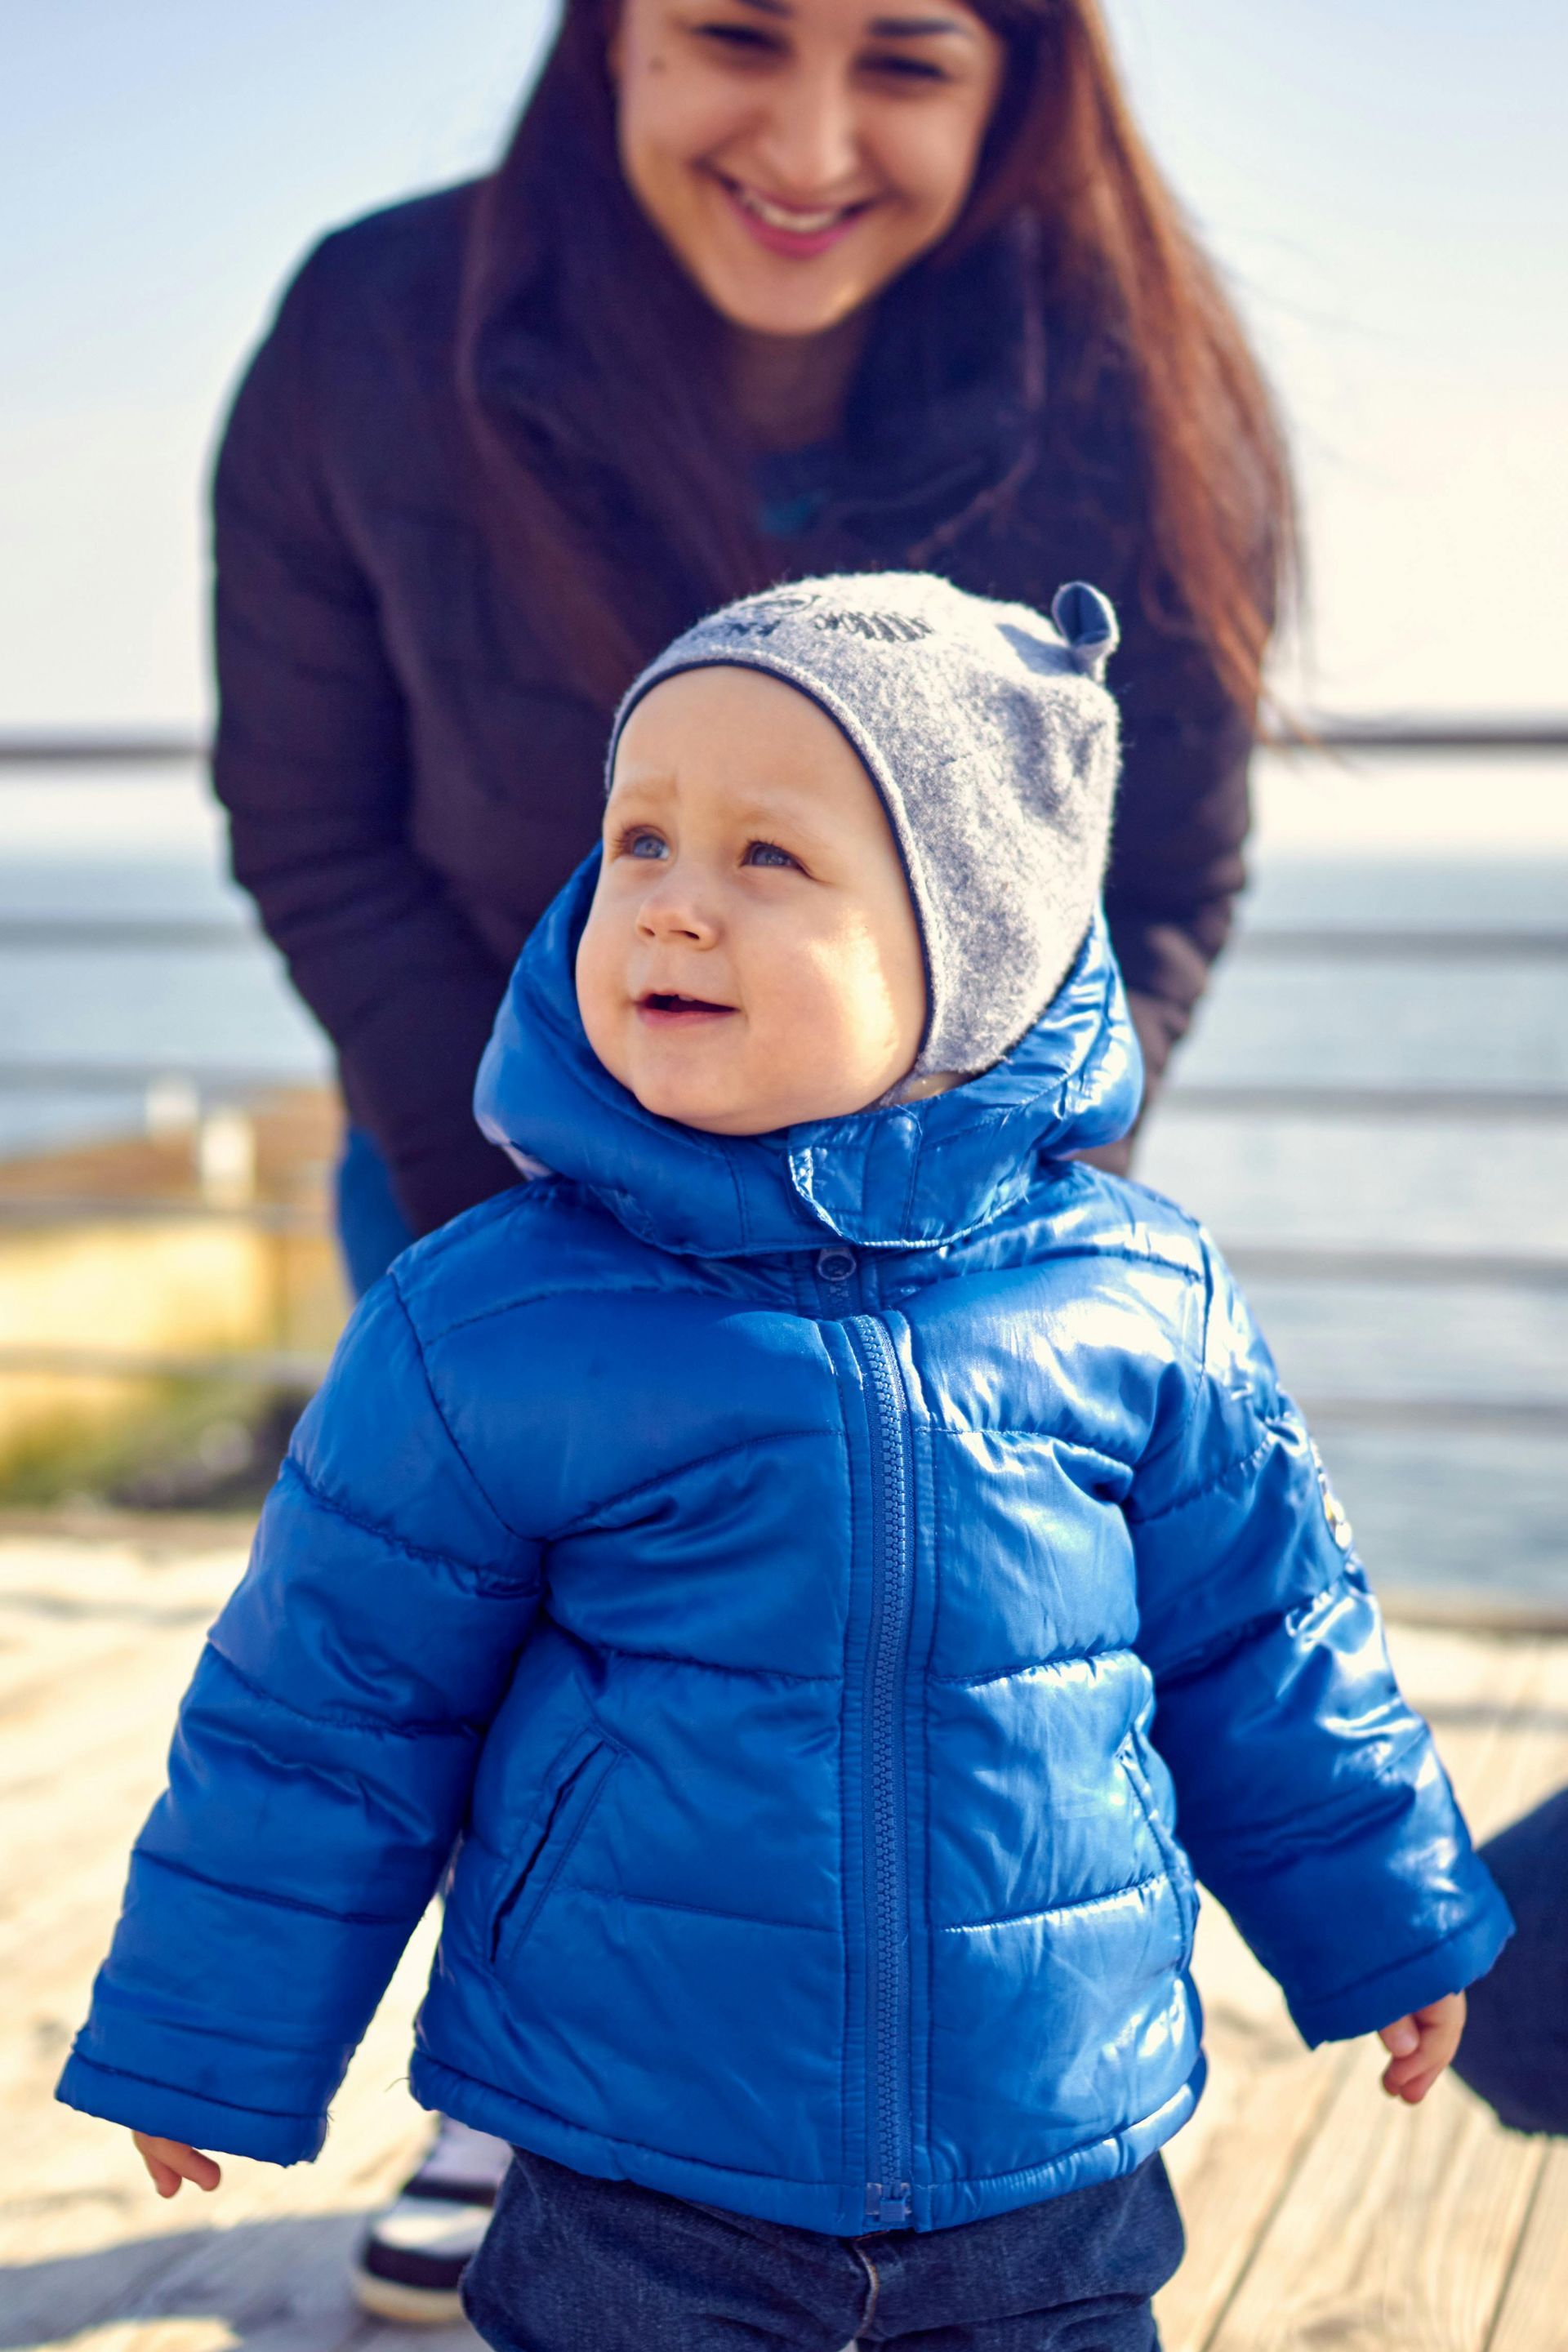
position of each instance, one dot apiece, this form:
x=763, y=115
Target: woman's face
x=796, y=155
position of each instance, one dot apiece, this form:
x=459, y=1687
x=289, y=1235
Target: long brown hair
x=616, y=476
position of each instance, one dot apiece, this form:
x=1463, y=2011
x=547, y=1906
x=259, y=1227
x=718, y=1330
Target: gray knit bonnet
x=994, y=745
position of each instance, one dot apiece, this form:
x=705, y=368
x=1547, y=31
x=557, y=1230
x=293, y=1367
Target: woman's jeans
x=571, y=2262
x=372, y=1228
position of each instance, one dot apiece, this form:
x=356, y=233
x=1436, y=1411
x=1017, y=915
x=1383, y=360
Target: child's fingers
x=1421, y=2046
x=1412, y=2088
x=171, y=2161
x=1443, y=2027
x=1401, y=2073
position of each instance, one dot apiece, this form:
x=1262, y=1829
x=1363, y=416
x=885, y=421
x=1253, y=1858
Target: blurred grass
x=210, y=1444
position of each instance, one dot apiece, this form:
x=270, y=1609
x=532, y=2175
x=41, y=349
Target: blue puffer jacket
x=764, y=1560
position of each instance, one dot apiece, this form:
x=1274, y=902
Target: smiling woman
x=762, y=135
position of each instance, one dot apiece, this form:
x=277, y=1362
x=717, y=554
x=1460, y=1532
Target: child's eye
x=640, y=841
x=767, y=853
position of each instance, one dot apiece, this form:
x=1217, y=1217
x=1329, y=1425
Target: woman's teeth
x=784, y=216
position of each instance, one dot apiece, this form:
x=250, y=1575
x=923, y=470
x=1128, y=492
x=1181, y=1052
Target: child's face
x=750, y=958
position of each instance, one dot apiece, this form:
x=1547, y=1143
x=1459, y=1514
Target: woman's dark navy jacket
x=408, y=781
x=803, y=1576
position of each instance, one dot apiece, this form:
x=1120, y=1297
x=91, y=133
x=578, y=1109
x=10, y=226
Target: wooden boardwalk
x=1321, y=2218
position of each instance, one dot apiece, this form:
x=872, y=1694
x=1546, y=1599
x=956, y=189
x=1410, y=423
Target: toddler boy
x=752, y=1552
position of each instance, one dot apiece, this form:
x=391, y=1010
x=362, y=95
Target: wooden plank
x=1268, y=2095
x=266, y=2256
x=116, y=1734
x=95, y=2257
x=79, y=1765
x=1534, y=2313
x=1307, y=2193
x=1397, y=2234
x=181, y=2335
x=1534, y=1720
x=1231, y=2166
x=45, y=1825
x=1397, y=2229
x=65, y=1622
x=252, y=2256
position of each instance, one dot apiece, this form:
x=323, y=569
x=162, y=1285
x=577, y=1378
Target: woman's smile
x=799, y=231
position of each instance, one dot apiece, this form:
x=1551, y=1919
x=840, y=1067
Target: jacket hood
x=906, y=1176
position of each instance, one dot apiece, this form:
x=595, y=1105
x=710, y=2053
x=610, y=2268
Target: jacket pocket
x=1177, y=1867
x=576, y=1784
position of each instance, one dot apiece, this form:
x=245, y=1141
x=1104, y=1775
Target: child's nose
x=673, y=910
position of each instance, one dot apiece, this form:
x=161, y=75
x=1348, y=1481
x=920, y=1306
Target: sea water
x=1442, y=1405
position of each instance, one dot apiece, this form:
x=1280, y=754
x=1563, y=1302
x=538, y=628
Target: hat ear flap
x=1089, y=626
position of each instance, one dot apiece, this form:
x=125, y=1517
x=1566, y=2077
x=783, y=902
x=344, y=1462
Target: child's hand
x=170, y=2161
x=1420, y=2046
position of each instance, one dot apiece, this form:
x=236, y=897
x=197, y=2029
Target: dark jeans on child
x=571, y=2262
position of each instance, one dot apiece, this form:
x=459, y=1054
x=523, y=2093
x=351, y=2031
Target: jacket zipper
x=888, y=2194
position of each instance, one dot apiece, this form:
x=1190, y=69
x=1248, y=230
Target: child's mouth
x=662, y=1009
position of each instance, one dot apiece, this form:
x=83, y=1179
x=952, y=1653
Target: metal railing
x=1328, y=731
x=1278, y=942
x=1496, y=1270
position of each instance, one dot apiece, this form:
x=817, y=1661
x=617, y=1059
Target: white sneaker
x=413, y=2255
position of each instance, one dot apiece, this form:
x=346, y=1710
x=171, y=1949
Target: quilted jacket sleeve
x=1311, y=1800
x=311, y=762
x=319, y=1774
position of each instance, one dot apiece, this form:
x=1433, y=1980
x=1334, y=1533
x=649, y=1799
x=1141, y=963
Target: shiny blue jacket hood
x=910, y=1176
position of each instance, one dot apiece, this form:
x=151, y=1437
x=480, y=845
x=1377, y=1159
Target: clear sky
x=1385, y=180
